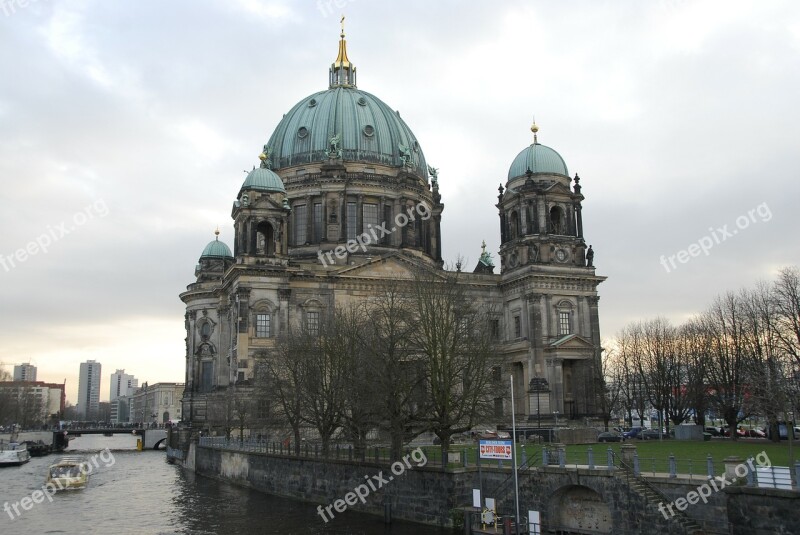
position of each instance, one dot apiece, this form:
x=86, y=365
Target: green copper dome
x=263, y=179
x=216, y=249
x=539, y=159
x=368, y=131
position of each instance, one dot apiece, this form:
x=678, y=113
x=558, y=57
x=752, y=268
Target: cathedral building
x=341, y=202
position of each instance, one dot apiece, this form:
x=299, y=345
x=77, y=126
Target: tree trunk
x=397, y=445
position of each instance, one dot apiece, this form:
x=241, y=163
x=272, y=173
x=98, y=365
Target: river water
x=139, y=492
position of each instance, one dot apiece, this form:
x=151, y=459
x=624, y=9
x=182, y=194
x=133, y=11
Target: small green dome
x=263, y=179
x=216, y=249
x=539, y=159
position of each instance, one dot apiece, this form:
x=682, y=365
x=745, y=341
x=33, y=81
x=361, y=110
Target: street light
x=539, y=386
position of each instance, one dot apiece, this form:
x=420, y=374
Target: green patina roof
x=369, y=130
x=263, y=179
x=216, y=249
x=539, y=159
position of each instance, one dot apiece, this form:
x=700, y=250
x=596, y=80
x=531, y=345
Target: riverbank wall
x=596, y=500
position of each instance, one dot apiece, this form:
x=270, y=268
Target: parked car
x=713, y=431
x=609, y=436
x=633, y=432
x=756, y=433
x=650, y=434
x=740, y=432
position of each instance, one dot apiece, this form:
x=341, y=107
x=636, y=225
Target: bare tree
x=608, y=376
x=632, y=395
x=694, y=353
x=452, y=335
x=280, y=380
x=726, y=369
x=787, y=311
x=395, y=369
x=325, y=374
x=359, y=414
x=221, y=412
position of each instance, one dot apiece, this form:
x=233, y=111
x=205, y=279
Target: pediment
x=572, y=341
x=392, y=266
x=557, y=187
x=266, y=202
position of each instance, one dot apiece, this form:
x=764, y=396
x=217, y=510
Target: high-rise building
x=122, y=384
x=89, y=389
x=25, y=372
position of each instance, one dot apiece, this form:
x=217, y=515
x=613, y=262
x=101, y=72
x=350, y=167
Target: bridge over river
x=152, y=439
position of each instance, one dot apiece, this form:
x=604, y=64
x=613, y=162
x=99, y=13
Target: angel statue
x=434, y=172
x=335, y=151
x=405, y=154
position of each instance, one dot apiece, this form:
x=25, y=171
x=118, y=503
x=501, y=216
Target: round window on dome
x=312, y=103
x=303, y=132
x=368, y=130
x=362, y=101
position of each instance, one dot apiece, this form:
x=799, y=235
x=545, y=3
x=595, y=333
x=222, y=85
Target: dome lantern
x=342, y=73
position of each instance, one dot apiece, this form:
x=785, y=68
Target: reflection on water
x=141, y=493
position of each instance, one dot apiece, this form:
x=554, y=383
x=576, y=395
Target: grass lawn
x=691, y=456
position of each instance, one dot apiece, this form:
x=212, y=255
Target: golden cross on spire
x=342, y=21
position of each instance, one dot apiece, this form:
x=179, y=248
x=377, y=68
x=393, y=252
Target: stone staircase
x=653, y=496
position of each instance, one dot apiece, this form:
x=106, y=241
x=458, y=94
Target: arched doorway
x=578, y=508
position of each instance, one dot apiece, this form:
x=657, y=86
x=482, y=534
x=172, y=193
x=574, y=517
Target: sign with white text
x=495, y=449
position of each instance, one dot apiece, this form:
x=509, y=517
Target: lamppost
x=538, y=385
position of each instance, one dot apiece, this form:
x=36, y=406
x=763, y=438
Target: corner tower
x=549, y=286
x=540, y=216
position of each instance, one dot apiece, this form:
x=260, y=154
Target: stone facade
x=295, y=258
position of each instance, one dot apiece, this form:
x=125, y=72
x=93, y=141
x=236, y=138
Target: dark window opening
x=265, y=239
x=556, y=220
x=300, y=224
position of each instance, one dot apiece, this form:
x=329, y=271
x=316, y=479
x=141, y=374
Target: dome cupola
x=263, y=178
x=216, y=249
x=537, y=158
x=346, y=123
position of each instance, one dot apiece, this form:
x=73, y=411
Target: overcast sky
x=126, y=128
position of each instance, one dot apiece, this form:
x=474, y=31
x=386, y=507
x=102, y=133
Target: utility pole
x=514, y=452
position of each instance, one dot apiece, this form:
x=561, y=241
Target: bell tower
x=540, y=213
x=261, y=217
